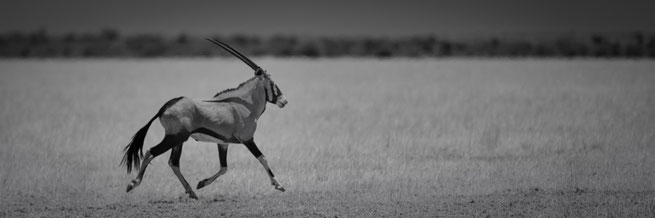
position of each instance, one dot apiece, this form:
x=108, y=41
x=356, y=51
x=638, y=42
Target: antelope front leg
x=274, y=182
x=252, y=147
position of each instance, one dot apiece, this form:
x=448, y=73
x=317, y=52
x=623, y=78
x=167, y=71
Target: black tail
x=134, y=150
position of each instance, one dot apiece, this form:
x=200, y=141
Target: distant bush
x=110, y=43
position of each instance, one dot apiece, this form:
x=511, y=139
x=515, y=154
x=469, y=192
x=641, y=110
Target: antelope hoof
x=202, y=184
x=131, y=186
x=280, y=188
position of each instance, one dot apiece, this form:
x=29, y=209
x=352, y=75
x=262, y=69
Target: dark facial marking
x=278, y=90
x=267, y=97
x=274, y=99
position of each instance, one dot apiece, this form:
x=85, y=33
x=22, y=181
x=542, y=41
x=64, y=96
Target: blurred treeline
x=110, y=43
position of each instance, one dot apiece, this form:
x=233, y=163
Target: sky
x=333, y=17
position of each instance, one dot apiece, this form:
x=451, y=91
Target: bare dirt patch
x=533, y=202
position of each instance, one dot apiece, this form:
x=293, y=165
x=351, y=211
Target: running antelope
x=230, y=117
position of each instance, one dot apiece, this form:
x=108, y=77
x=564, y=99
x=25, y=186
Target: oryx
x=230, y=117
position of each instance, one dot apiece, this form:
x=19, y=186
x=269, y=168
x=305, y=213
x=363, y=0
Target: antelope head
x=272, y=91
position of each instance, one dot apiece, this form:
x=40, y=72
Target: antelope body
x=230, y=117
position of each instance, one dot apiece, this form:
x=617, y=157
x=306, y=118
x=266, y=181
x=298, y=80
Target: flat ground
x=359, y=137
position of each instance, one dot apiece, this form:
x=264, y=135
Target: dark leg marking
x=168, y=142
x=222, y=154
x=270, y=173
x=176, y=153
x=252, y=147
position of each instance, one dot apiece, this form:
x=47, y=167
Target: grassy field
x=360, y=137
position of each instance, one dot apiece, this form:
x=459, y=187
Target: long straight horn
x=258, y=70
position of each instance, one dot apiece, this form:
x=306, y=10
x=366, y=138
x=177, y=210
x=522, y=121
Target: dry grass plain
x=360, y=137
